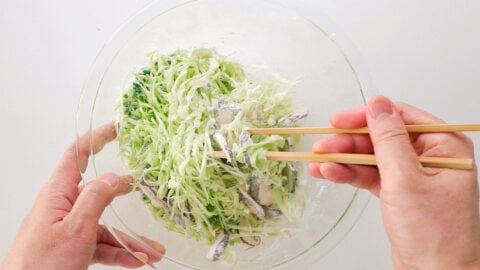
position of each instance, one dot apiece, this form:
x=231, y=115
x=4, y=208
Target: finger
x=93, y=199
x=75, y=159
x=125, y=186
x=154, y=250
x=344, y=143
x=64, y=180
x=355, y=118
x=413, y=116
x=352, y=118
x=314, y=170
x=110, y=255
x=393, y=150
x=438, y=144
x=364, y=177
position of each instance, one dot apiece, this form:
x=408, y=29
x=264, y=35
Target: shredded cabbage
x=182, y=108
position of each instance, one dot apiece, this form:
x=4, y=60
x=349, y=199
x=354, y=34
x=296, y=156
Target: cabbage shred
x=167, y=122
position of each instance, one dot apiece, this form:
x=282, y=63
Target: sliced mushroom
x=223, y=117
x=252, y=241
x=226, y=112
x=223, y=105
x=291, y=119
x=273, y=212
x=288, y=145
x=290, y=170
x=249, y=240
x=220, y=139
x=244, y=141
x=179, y=220
x=265, y=194
x=245, y=138
x=248, y=161
x=156, y=202
x=293, y=177
x=254, y=207
x=292, y=174
x=218, y=247
x=262, y=192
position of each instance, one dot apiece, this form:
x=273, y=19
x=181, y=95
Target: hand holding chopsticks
x=363, y=159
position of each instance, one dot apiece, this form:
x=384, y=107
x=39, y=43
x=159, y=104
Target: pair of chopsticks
x=363, y=159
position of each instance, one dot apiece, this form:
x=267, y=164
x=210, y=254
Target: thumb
x=95, y=197
x=393, y=150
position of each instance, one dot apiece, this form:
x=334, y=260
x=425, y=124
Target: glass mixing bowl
x=253, y=33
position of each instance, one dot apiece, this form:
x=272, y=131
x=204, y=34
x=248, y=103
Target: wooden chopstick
x=429, y=128
x=361, y=159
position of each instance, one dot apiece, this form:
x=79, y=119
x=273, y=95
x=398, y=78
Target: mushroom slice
x=265, y=194
x=262, y=192
x=293, y=177
x=292, y=174
x=220, y=139
x=289, y=144
x=290, y=170
x=218, y=247
x=254, y=207
x=224, y=117
x=273, y=212
x=244, y=141
x=226, y=112
x=179, y=220
x=252, y=241
x=156, y=202
x=291, y=119
x=223, y=105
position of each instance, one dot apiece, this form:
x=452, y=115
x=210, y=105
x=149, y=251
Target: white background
x=422, y=52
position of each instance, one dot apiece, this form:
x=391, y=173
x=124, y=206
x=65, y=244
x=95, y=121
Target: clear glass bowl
x=254, y=33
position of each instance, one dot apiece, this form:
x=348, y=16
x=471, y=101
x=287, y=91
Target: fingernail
x=110, y=179
x=158, y=247
x=141, y=256
x=380, y=106
x=317, y=147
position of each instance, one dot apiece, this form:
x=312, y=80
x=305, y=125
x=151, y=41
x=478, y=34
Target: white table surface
x=422, y=52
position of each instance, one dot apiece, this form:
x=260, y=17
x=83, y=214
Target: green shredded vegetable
x=182, y=108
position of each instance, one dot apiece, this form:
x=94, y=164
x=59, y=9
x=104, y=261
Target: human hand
x=431, y=215
x=62, y=231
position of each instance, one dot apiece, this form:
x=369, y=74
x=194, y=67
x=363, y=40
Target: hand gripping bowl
x=253, y=33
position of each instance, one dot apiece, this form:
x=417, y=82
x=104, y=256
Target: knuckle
x=441, y=151
x=444, y=139
x=467, y=140
x=450, y=144
x=391, y=135
x=97, y=189
x=76, y=229
x=401, y=104
x=72, y=149
x=78, y=148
